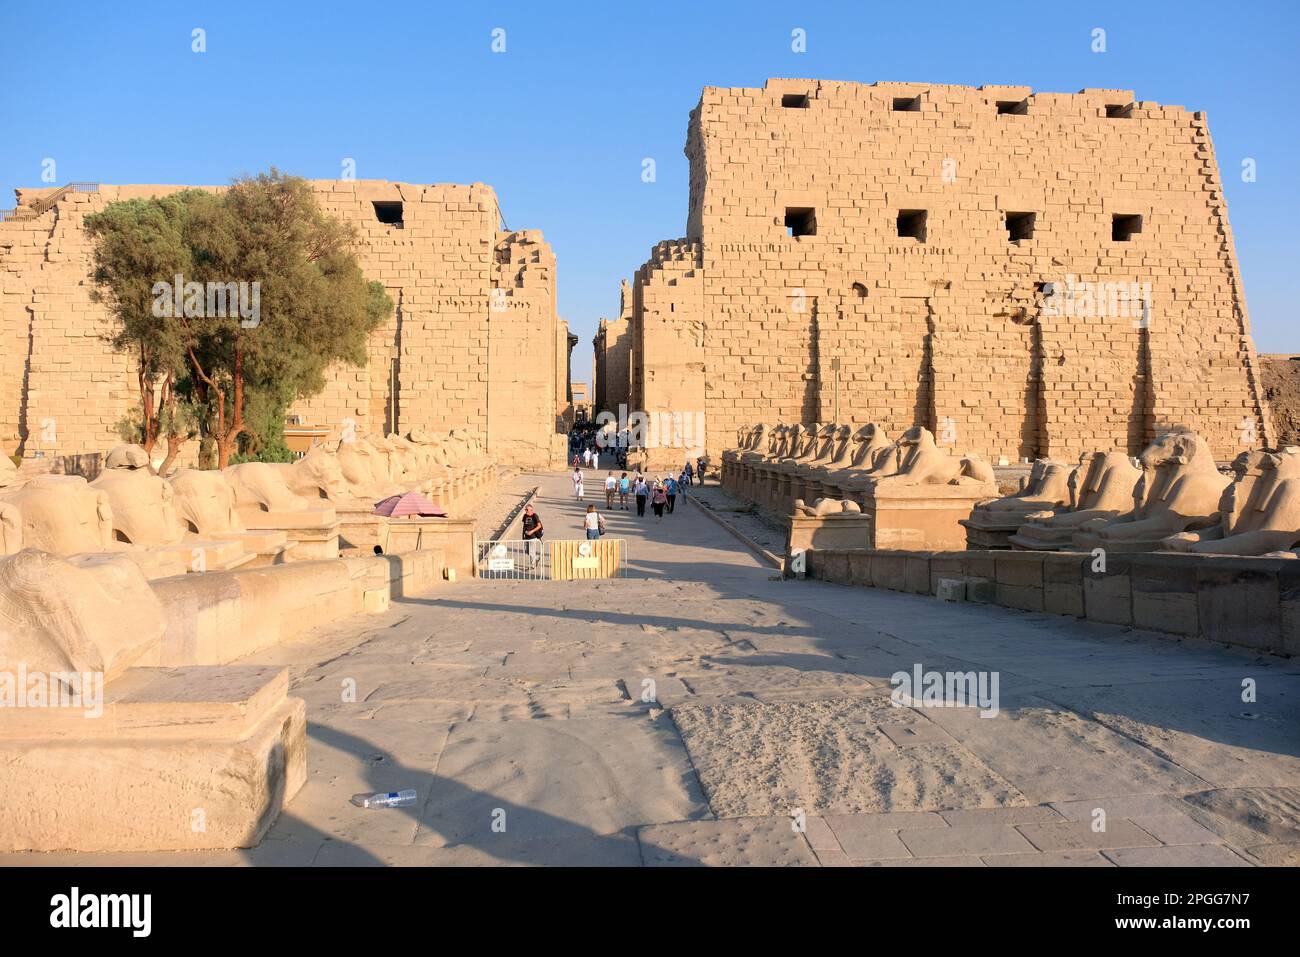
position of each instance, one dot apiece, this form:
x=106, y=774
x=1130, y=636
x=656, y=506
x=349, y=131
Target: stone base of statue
x=1042, y=538
x=453, y=537
x=834, y=531
x=992, y=531
x=155, y=563
x=360, y=529
x=310, y=535
x=179, y=759
x=921, y=517
x=1088, y=539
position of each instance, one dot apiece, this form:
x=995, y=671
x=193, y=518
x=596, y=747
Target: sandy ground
x=702, y=711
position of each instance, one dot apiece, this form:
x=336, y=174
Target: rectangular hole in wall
x=1020, y=226
x=1124, y=226
x=911, y=223
x=907, y=104
x=801, y=221
x=1119, y=111
x=389, y=213
x=795, y=101
x=1013, y=107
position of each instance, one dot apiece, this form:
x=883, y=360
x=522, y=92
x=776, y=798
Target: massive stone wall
x=889, y=252
x=613, y=345
x=472, y=340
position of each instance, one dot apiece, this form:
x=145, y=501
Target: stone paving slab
x=1077, y=835
x=960, y=841
x=995, y=816
x=765, y=842
x=1189, y=855
x=1078, y=858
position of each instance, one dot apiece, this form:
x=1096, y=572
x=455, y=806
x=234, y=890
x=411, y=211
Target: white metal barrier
x=552, y=559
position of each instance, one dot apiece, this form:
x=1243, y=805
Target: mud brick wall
x=950, y=325
x=439, y=361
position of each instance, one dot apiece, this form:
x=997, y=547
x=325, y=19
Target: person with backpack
x=688, y=473
x=658, y=499
x=594, y=523
x=670, y=491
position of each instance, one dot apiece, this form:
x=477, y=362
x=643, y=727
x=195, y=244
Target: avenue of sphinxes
x=968, y=352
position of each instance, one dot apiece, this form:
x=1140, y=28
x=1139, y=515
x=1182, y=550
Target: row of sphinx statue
x=233, y=515
x=1172, y=497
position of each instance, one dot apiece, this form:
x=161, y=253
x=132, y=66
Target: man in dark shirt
x=532, y=534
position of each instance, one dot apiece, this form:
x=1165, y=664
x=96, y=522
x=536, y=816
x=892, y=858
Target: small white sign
x=501, y=564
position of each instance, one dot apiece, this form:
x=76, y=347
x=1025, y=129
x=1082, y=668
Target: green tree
x=312, y=304
x=138, y=243
x=271, y=296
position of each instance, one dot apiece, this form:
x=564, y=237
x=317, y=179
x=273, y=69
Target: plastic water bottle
x=385, y=799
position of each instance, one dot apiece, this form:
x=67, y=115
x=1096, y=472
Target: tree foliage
x=306, y=305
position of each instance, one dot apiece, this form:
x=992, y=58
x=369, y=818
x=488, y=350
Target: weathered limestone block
x=1164, y=593
x=1239, y=601
x=827, y=524
x=1020, y=580
x=174, y=748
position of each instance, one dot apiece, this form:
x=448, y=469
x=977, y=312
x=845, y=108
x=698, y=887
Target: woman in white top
x=591, y=522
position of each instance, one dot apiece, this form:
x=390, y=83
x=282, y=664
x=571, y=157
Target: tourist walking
x=670, y=490
x=577, y=482
x=624, y=486
x=688, y=473
x=658, y=499
x=532, y=536
x=683, y=481
x=642, y=492
x=594, y=523
x=611, y=486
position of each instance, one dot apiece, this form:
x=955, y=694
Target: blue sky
x=560, y=122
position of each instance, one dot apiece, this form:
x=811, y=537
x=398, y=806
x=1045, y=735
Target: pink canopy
x=410, y=503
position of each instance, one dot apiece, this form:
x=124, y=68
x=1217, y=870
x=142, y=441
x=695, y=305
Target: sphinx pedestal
x=837, y=530
x=309, y=535
x=921, y=517
x=180, y=759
